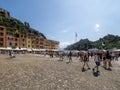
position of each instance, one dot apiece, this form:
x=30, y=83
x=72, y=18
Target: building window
x=1, y=44
x=16, y=35
x=1, y=34
x=1, y=29
x=15, y=39
x=1, y=39
x=10, y=44
x=41, y=46
x=41, y=42
x=15, y=44
x=29, y=46
x=37, y=42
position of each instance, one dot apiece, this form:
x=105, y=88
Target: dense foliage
x=107, y=42
x=13, y=24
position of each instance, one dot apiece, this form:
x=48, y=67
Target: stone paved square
x=34, y=72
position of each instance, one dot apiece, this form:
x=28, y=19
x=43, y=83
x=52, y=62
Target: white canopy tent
x=117, y=50
x=42, y=49
x=29, y=50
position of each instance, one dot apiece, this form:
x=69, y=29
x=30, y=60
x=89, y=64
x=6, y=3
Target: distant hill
x=107, y=42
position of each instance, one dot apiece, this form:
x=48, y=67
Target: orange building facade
x=19, y=40
x=2, y=37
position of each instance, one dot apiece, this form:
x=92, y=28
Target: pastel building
x=2, y=36
x=12, y=36
x=23, y=41
x=29, y=42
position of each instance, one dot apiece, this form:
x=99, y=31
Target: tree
x=107, y=42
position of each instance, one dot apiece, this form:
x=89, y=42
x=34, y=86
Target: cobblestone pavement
x=33, y=72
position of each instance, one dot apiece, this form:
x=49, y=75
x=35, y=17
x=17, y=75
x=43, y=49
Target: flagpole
x=75, y=37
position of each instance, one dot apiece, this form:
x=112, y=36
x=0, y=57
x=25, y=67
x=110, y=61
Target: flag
x=75, y=34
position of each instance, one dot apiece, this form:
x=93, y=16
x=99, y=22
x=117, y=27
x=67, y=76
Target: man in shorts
x=97, y=62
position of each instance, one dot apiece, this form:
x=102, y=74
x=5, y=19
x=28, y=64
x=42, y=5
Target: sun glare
x=97, y=25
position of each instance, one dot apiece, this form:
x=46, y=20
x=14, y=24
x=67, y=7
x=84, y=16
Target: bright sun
x=97, y=25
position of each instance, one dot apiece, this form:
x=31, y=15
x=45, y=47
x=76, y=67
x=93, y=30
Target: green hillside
x=13, y=24
x=107, y=42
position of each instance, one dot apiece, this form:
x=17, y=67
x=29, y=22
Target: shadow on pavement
x=109, y=69
x=83, y=70
x=67, y=62
x=60, y=60
x=95, y=74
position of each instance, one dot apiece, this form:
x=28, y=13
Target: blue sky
x=61, y=19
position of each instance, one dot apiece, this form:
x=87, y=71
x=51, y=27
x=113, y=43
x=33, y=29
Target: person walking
x=10, y=54
x=81, y=56
x=61, y=54
x=104, y=58
x=108, y=61
x=85, y=60
x=97, y=62
x=70, y=56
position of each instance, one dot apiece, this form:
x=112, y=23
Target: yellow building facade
x=20, y=40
